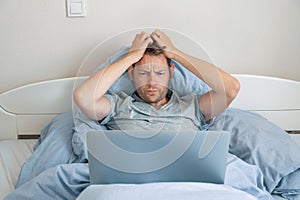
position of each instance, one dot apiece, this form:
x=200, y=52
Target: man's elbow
x=77, y=97
x=233, y=90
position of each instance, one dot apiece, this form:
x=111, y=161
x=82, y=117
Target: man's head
x=151, y=75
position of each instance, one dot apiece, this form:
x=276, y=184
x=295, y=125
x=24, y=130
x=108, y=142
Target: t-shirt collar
x=137, y=97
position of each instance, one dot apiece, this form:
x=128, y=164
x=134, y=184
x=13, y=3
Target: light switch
x=76, y=8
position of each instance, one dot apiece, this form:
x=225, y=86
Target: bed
x=27, y=110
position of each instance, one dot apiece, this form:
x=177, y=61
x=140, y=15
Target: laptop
x=117, y=156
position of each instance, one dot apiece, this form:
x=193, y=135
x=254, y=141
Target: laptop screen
x=117, y=156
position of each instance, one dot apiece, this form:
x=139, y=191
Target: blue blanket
x=264, y=157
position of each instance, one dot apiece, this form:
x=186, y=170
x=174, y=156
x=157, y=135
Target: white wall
x=39, y=42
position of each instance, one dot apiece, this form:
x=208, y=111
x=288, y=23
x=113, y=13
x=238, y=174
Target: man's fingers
x=149, y=41
x=157, y=32
x=143, y=35
x=155, y=37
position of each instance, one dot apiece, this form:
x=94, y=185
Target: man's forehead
x=156, y=66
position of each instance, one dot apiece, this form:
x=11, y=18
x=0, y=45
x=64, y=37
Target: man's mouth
x=152, y=91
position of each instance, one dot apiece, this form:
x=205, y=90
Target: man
x=153, y=105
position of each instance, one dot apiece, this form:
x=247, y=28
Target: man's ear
x=172, y=66
x=130, y=72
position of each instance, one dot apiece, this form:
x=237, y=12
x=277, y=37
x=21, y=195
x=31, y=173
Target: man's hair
x=154, y=49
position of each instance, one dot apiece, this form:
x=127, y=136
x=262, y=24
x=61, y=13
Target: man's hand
x=165, y=43
x=139, y=45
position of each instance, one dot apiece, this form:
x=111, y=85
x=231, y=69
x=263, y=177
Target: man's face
x=151, y=76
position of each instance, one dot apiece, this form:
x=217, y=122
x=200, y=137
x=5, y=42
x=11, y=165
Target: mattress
x=13, y=153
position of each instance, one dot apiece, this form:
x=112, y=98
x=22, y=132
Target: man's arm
x=89, y=96
x=224, y=86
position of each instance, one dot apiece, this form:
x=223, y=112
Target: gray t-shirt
x=132, y=113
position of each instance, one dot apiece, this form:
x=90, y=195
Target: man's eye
x=160, y=73
x=142, y=73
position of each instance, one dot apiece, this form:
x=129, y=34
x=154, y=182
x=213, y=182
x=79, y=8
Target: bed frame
x=26, y=110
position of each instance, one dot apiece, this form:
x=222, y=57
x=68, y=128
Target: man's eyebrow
x=159, y=70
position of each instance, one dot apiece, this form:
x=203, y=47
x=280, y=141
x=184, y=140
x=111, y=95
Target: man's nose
x=152, y=78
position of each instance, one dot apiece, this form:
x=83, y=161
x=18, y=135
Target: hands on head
x=143, y=40
x=95, y=105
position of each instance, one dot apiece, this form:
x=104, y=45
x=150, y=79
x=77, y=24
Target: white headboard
x=25, y=110
x=275, y=98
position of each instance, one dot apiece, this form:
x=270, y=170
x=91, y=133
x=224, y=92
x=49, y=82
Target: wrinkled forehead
x=152, y=66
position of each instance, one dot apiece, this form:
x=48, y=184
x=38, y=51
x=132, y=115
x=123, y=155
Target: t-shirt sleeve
x=205, y=124
x=116, y=100
x=113, y=99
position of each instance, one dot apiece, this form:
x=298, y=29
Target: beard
x=152, y=95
